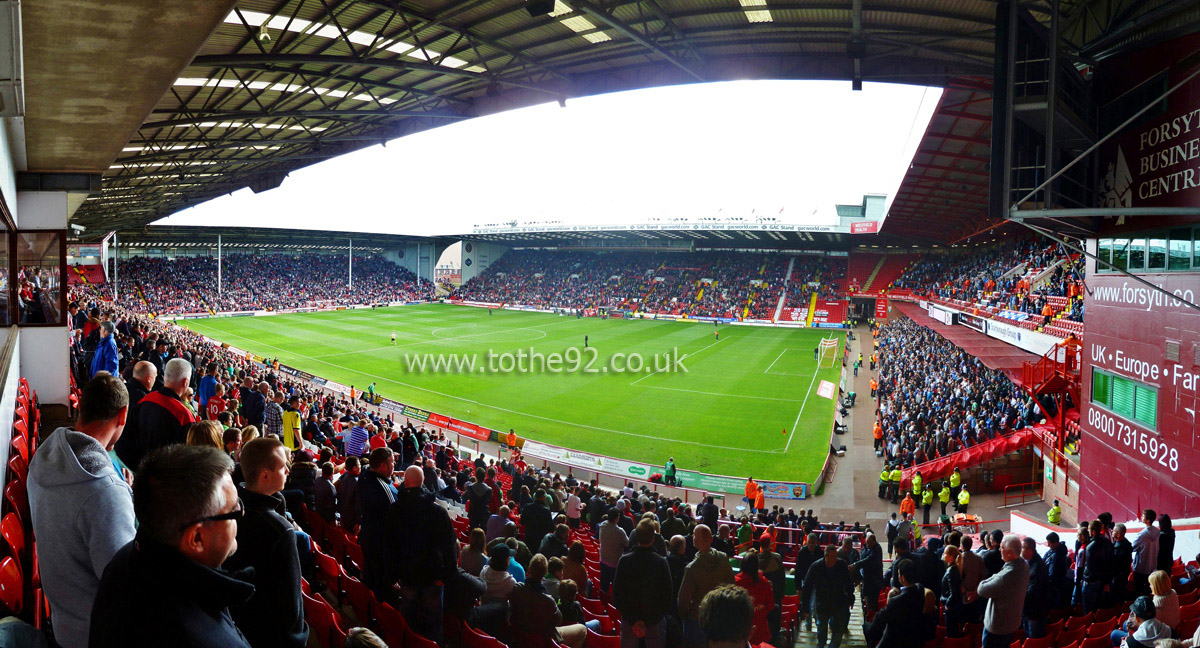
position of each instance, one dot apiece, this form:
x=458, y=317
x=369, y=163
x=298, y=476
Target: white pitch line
x=681, y=360
x=708, y=393
x=768, y=369
x=511, y=411
x=806, y=395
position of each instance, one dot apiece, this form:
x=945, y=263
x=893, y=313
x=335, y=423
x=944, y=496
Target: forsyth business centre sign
x=1155, y=162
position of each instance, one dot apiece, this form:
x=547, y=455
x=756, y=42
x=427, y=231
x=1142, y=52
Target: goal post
x=827, y=358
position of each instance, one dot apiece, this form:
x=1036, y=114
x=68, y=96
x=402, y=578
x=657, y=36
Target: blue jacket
x=206, y=389
x=106, y=358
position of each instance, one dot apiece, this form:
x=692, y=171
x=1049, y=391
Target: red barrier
x=943, y=466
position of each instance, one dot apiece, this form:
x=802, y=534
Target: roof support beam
x=616, y=25
x=396, y=65
x=347, y=114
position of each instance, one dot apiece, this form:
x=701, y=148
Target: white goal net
x=827, y=358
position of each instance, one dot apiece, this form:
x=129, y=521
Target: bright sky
x=720, y=149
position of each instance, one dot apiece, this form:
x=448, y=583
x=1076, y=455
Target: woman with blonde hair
x=472, y=557
x=1166, y=601
x=206, y=433
x=249, y=433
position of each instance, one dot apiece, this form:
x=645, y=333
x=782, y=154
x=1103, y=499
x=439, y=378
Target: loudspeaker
x=539, y=7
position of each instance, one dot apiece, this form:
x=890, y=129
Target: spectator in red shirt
x=751, y=580
x=216, y=403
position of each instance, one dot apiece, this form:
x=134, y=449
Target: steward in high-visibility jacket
x=955, y=484
x=926, y=502
x=885, y=478
x=897, y=477
x=1054, y=515
x=916, y=483
x=964, y=500
x=944, y=496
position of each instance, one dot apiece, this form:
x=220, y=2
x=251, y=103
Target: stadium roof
x=233, y=238
x=275, y=85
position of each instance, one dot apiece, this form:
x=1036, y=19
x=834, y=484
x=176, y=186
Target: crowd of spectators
x=976, y=275
x=265, y=282
x=935, y=399
x=703, y=284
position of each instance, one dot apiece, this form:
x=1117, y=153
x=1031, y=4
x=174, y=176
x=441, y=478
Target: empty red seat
x=1097, y=642
x=361, y=599
x=323, y=622
x=472, y=638
x=1039, y=642
x=595, y=640
x=1068, y=637
x=12, y=586
x=18, y=500
x=18, y=467
x=391, y=624
x=957, y=642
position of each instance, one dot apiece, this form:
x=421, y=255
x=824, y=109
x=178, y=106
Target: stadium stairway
x=787, y=282
x=853, y=638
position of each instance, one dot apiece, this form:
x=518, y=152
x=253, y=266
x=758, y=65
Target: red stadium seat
x=595, y=640
x=1039, y=642
x=355, y=554
x=21, y=447
x=472, y=638
x=331, y=573
x=414, y=640
x=958, y=642
x=18, y=468
x=1068, y=637
x=360, y=598
x=1190, y=611
x=1187, y=627
x=1078, y=622
x=1097, y=642
x=335, y=542
x=12, y=586
x=18, y=500
x=14, y=536
x=392, y=625
x=323, y=622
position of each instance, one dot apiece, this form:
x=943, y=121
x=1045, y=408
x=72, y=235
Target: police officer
x=944, y=496
x=897, y=476
x=917, y=480
x=964, y=500
x=927, y=501
x=1054, y=515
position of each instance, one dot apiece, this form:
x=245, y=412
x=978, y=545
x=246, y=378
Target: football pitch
x=747, y=403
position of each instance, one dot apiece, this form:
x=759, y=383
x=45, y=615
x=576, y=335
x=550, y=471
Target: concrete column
x=44, y=356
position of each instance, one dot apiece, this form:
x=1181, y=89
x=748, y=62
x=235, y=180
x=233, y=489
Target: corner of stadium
x=1007, y=347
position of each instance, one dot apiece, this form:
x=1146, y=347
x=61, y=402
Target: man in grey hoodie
x=81, y=507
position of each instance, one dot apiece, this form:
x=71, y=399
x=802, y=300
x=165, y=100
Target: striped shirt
x=356, y=441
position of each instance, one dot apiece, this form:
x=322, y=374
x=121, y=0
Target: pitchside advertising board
x=640, y=471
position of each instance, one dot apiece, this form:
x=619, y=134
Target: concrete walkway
x=852, y=496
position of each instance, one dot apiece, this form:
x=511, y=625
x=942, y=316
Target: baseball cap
x=500, y=551
x=1143, y=608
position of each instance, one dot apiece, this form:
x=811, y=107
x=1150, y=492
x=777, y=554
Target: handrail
x=1037, y=489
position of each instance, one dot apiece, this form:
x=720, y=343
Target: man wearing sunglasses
x=166, y=586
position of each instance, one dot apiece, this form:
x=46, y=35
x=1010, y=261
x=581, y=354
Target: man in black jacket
x=140, y=381
x=1122, y=565
x=160, y=418
x=537, y=520
x=870, y=570
x=166, y=586
x=1036, y=609
x=479, y=500
x=376, y=494
x=158, y=358
x=1097, y=567
x=1058, y=571
x=642, y=591
x=828, y=594
x=899, y=623
x=274, y=615
x=422, y=553
x=554, y=545
x=254, y=405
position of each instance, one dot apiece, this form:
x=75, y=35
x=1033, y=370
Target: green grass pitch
x=747, y=405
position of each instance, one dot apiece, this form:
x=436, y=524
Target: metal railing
x=1025, y=490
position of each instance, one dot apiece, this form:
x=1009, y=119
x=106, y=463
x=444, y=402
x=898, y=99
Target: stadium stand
x=269, y=282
